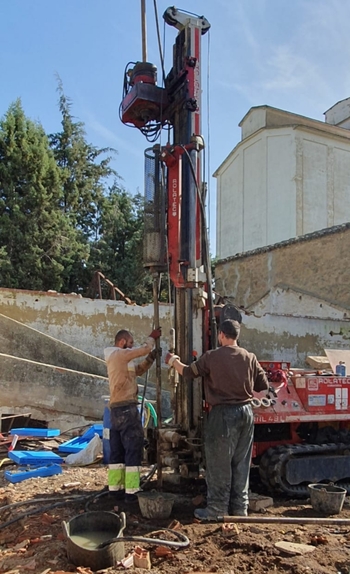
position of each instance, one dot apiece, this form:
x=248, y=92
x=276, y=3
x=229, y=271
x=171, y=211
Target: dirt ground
x=32, y=538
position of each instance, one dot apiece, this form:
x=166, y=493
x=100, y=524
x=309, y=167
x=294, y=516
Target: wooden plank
x=319, y=363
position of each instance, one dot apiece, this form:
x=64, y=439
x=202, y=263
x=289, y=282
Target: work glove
x=170, y=358
x=151, y=356
x=156, y=333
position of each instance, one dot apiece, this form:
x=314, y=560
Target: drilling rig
x=176, y=239
x=302, y=428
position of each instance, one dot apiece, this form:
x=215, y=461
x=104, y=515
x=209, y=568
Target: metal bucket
x=86, y=531
x=327, y=498
x=155, y=504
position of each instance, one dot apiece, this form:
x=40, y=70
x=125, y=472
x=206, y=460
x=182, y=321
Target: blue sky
x=293, y=55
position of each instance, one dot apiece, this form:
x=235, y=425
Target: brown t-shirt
x=122, y=371
x=230, y=375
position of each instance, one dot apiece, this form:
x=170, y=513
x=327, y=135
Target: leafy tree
x=57, y=223
x=37, y=244
x=118, y=252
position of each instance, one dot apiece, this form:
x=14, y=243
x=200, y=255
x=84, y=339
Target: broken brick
x=175, y=525
x=142, y=558
x=229, y=529
x=163, y=551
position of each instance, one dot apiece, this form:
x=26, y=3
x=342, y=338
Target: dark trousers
x=126, y=436
x=126, y=445
x=228, y=449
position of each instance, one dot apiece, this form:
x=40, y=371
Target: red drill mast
x=175, y=227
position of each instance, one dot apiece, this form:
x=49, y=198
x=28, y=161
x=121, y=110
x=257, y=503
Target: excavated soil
x=32, y=539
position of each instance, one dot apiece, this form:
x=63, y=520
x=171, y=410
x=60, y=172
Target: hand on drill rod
x=151, y=356
x=156, y=333
x=170, y=358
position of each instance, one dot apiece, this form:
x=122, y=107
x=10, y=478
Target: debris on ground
x=32, y=540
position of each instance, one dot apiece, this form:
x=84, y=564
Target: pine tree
x=37, y=244
x=84, y=174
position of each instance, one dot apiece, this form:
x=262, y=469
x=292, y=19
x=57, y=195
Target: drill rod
x=158, y=382
x=283, y=520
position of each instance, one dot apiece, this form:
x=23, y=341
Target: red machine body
x=302, y=432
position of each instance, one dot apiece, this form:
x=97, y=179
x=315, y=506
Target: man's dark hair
x=122, y=334
x=230, y=328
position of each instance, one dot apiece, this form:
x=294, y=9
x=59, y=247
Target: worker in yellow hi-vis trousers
x=126, y=433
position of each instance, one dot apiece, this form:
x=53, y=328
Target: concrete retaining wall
x=62, y=397
x=87, y=324
x=25, y=342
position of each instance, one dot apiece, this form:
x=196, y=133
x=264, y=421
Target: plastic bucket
x=86, y=531
x=155, y=504
x=326, y=498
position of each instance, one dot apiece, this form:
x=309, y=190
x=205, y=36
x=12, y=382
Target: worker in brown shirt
x=126, y=433
x=231, y=374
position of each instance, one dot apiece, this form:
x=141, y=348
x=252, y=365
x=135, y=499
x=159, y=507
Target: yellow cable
x=148, y=416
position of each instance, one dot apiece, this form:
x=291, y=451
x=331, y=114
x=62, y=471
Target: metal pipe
x=283, y=520
x=158, y=380
x=143, y=30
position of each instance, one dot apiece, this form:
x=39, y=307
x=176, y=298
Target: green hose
x=152, y=411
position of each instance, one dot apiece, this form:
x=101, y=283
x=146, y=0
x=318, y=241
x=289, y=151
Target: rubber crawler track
x=274, y=460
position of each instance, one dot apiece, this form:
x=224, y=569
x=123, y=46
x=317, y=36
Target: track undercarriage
x=289, y=469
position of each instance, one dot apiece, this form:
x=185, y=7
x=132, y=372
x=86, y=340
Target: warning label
x=317, y=401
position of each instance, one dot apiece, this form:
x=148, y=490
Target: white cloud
x=288, y=55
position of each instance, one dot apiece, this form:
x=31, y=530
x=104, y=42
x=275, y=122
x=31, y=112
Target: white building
x=288, y=176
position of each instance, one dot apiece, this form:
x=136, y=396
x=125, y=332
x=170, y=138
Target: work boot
x=240, y=512
x=206, y=514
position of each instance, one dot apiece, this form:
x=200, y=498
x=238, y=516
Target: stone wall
x=294, y=296
x=317, y=264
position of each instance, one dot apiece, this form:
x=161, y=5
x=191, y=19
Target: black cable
x=43, y=509
x=103, y=492
x=33, y=501
x=183, y=540
x=145, y=479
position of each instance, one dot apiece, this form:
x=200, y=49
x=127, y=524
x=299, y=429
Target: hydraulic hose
x=145, y=479
x=151, y=409
x=182, y=543
x=71, y=498
x=67, y=500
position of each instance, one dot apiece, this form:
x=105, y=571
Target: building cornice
x=295, y=240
